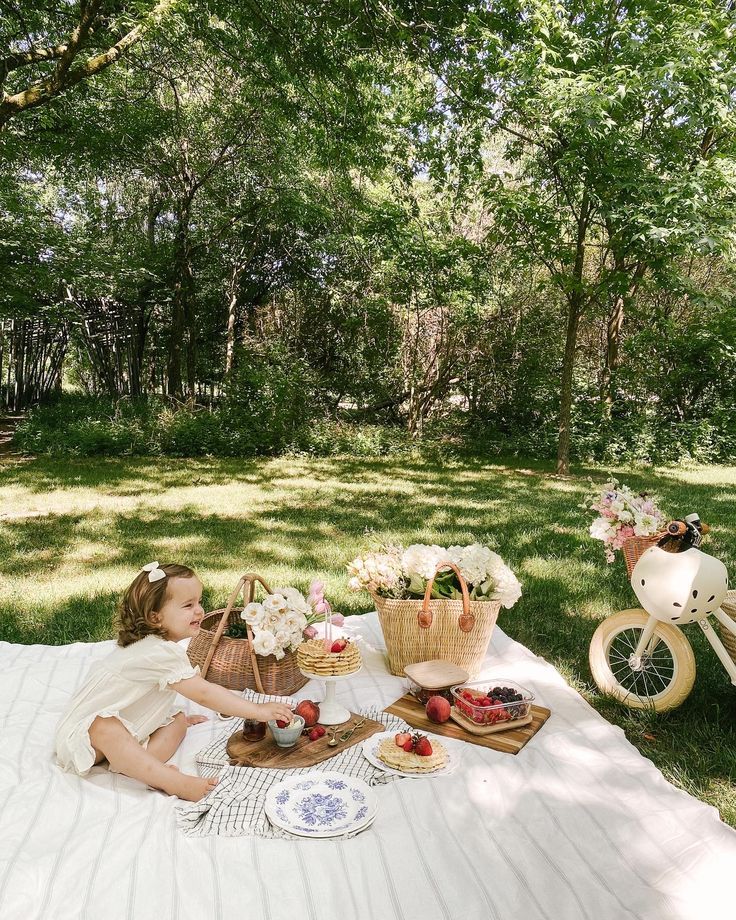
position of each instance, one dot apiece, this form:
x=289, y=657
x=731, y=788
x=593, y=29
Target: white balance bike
x=641, y=656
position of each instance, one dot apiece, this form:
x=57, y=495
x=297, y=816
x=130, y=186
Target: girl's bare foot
x=191, y=788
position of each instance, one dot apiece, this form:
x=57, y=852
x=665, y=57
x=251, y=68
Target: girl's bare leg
x=112, y=740
x=165, y=741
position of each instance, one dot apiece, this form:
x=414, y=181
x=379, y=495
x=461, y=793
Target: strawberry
x=485, y=702
x=314, y=734
x=339, y=645
x=320, y=729
x=423, y=747
x=401, y=738
x=281, y=723
x=408, y=746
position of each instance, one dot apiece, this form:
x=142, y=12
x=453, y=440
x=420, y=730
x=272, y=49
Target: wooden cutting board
x=305, y=753
x=509, y=742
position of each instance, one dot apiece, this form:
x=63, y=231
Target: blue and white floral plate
x=321, y=804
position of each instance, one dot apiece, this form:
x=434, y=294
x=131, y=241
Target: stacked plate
x=321, y=804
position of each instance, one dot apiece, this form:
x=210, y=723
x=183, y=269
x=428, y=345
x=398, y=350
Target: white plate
x=355, y=830
x=370, y=752
x=321, y=804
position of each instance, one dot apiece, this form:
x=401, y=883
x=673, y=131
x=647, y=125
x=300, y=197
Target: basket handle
x=247, y=584
x=466, y=620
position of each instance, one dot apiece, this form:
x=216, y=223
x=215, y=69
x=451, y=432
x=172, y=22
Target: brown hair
x=142, y=600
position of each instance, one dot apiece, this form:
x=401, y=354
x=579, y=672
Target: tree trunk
x=613, y=333
x=575, y=302
x=232, y=307
x=180, y=314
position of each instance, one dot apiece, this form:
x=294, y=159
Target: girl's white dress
x=132, y=684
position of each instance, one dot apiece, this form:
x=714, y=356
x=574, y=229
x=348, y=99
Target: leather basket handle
x=466, y=620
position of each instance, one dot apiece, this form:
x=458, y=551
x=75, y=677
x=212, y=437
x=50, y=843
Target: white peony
x=253, y=614
x=295, y=621
x=275, y=603
x=283, y=638
x=264, y=642
x=423, y=560
x=295, y=600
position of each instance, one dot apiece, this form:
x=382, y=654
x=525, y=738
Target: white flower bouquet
x=283, y=619
x=395, y=572
x=623, y=514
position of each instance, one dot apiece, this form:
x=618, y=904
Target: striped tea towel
x=214, y=758
x=236, y=806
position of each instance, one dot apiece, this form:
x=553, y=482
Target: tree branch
x=65, y=76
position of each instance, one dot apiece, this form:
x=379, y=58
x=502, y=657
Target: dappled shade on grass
x=73, y=534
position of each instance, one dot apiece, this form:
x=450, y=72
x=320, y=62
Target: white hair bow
x=154, y=572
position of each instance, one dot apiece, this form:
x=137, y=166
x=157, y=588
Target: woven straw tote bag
x=452, y=630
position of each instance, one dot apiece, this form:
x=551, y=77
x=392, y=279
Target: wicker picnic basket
x=452, y=630
x=232, y=663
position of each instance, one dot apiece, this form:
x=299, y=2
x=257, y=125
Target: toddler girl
x=126, y=710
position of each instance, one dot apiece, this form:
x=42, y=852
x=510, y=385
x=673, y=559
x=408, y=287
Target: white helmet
x=679, y=587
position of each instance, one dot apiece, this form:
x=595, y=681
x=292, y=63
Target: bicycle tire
x=616, y=678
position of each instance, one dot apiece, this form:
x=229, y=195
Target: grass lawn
x=74, y=533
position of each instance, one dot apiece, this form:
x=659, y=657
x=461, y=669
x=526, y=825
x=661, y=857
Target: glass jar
x=253, y=729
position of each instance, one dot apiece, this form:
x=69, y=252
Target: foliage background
x=506, y=226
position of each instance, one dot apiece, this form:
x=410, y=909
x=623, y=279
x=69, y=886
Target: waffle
x=312, y=657
x=398, y=759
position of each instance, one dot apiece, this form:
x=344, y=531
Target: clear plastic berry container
x=488, y=702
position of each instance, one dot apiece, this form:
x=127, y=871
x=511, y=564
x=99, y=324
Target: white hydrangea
x=423, y=560
x=507, y=588
x=474, y=561
x=264, y=642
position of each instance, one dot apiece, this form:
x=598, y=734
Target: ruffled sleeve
x=157, y=661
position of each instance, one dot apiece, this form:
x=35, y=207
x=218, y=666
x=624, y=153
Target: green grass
x=73, y=534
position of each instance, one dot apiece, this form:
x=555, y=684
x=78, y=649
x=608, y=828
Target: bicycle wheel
x=662, y=678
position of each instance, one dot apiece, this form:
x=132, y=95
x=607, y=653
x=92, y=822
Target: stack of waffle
x=409, y=762
x=312, y=658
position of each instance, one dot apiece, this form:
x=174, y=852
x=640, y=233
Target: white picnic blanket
x=578, y=825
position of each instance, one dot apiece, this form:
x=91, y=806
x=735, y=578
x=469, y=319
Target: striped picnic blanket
x=578, y=826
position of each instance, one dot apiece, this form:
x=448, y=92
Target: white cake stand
x=330, y=711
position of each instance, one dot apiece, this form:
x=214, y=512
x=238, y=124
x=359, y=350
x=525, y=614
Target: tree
x=47, y=50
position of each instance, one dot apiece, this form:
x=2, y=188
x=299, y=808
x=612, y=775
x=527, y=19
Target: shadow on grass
x=294, y=518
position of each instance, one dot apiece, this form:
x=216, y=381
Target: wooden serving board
x=305, y=753
x=510, y=741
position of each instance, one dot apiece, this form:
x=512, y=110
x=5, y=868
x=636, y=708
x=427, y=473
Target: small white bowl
x=287, y=737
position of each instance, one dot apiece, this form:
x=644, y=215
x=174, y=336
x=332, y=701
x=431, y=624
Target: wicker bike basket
x=453, y=630
x=233, y=663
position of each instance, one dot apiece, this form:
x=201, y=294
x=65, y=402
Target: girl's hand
x=266, y=711
x=195, y=720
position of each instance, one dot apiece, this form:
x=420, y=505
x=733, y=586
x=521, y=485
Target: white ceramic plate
x=370, y=752
x=321, y=804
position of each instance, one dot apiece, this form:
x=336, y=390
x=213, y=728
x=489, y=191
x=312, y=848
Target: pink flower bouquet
x=623, y=514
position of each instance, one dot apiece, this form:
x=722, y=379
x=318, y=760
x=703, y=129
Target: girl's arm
x=221, y=700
